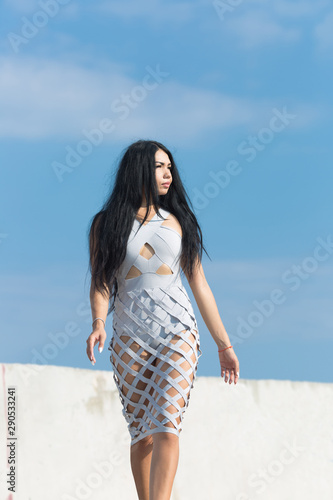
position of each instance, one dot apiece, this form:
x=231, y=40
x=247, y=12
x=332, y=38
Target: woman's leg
x=141, y=451
x=164, y=465
x=165, y=456
x=141, y=454
x=161, y=449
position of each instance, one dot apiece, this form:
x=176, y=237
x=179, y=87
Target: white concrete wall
x=260, y=439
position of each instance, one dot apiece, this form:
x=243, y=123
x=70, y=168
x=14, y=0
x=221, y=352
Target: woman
x=139, y=243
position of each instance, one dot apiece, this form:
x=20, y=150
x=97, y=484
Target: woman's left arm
x=208, y=309
x=207, y=306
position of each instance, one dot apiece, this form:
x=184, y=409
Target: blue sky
x=241, y=96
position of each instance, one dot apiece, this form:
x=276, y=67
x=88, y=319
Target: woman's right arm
x=99, y=309
x=99, y=302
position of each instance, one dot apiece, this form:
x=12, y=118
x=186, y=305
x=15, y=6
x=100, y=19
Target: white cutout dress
x=155, y=344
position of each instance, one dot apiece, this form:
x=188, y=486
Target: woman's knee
x=147, y=441
x=166, y=437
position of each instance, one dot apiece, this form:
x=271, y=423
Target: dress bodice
x=160, y=267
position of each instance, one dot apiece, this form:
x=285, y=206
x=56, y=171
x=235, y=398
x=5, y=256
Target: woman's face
x=163, y=171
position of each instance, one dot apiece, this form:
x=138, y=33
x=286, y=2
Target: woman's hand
x=98, y=335
x=229, y=365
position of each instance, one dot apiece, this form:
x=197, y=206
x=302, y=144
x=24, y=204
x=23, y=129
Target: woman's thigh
x=134, y=368
x=177, y=365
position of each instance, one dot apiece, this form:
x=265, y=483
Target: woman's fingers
x=101, y=344
x=91, y=342
x=231, y=374
x=231, y=371
x=225, y=374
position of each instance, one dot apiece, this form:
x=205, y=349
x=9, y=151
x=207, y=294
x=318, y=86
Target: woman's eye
x=170, y=168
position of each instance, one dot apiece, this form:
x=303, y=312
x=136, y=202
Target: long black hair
x=110, y=228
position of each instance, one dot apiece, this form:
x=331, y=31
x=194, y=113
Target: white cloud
x=181, y=12
x=323, y=33
x=258, y=28
x=287, y=8
x=29, y=7
x=308, y=114
x=23, y=6
x=181, y=111
x=154, y=11
x=257, y=23
x=43, y=98
x=298, y=8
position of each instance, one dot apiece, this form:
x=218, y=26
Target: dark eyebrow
x=161, y=162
